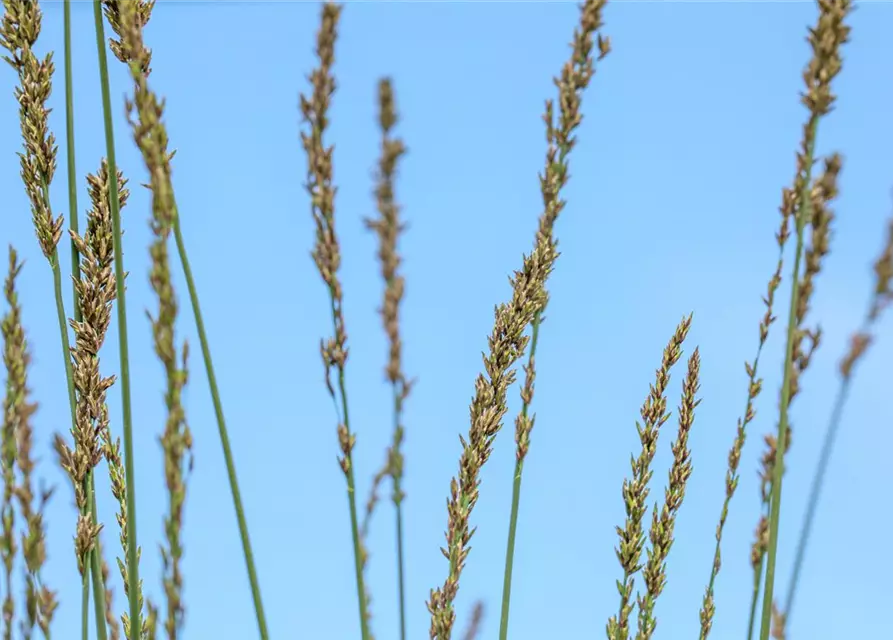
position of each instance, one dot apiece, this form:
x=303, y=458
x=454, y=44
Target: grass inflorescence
x=96, y=437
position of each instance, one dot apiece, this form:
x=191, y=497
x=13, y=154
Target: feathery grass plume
x=754, y=387
x=388, y=228
x=327, y=256
x=662, y=526
x=18, y=35
x=17, y=441
x=145, y=112
x=143, y=11
x=474, y=623
x=881, y=298
x=508, y=340
x=635, y=489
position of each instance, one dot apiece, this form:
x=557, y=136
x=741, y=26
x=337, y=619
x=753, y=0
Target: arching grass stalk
x=327, y=256
x=133, y=580
x=825, y=39
x=859, y=344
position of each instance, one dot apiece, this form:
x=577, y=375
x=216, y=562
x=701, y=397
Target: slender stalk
x=388, y=228
x=95, y=560
x=133, y=579
x=815, y=491
x=778, y=468
x=326, y=255
x=755, y=596
x=221, y=426
x=516, y=490
x=802, y=216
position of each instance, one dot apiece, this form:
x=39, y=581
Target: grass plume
x=388, y=227
x=17, y=444
x=327, y=257
x=635, y=489
x=663, y=524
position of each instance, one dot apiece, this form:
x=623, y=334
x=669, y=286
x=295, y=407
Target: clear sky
x=690, y=130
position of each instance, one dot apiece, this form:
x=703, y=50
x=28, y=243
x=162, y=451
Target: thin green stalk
x=400, y=570
x=516, y=499
x=354, y=526
x=815, y=492
x=133, y=579
x=221, y=426
x=75, y=264
x=755, y=597
x=96, y=567
x=803, y=215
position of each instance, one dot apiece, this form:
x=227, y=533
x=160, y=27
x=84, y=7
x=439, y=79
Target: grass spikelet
x=635, y=489
x=327, y=257
x=508, y=340
x=388, y=227
x=17, y=443
x=662, y=526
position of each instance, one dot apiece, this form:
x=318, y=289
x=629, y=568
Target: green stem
x=96, y=567
x=85, y=606
x=221, y=426
x=755, y=597
x=397, y=496
x=354, y=526
x=400, y=579
x=73, y=225
x=815, y=492
x=802, y=216
x=133, y=579
x=516, y=500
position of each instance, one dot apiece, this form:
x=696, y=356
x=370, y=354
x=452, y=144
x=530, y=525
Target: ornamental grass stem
x=133, y=579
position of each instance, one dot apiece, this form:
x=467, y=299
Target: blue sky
x=690, y=130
